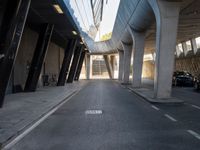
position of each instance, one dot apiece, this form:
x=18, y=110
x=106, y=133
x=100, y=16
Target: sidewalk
x=23, y=110
x=147, y=93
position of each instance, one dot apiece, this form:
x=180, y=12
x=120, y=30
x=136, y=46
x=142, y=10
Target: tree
x=106, y=36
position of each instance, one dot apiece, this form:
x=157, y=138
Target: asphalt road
x=121, y=121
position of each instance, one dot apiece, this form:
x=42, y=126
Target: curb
x=32, y=125
x=157, y=101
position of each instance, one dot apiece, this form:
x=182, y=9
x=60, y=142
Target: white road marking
x=194, y=134
x=154, y=107
x=129, y=90
x=93, y=112
x=195, y=106
x=171, y=118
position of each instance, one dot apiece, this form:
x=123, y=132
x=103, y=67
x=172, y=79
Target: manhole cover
x=93, y=112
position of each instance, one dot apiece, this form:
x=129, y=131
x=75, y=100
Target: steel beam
x=74, y=65
x=108, y=66
x=69, y=51
x=38, y=57
x=11, y=31
x=80, y=64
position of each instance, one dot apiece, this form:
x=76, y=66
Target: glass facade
x=97, y=11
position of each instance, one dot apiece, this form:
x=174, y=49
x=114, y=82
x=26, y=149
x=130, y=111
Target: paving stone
x=22, y=109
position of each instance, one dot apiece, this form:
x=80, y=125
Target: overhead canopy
x=139, y=16
x=42, y=11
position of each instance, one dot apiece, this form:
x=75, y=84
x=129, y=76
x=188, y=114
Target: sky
x=83, y=12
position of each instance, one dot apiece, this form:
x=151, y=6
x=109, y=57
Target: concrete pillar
x=108, y=66
x=138, y=54
x=127, y=62
x=178, y=53
x=184, y=45
x=80, y=64
x=121, y=65
x=167, y=15
x=85, y=61
x=112, y=62
x=194, y=45
x=88, y=66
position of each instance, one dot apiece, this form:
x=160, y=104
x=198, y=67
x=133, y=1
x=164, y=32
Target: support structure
x=127, y=62
x=11, y=31
x=178, y=52
x=108, y=66
x=112, y=62
x=39, y=57
x=138, y=54
x=88, y=66
x=167, y=16
x=185, y=48
x=69, y=51
x=121, y=65
x=194, y=45
x=80, y=64
x=74, y=65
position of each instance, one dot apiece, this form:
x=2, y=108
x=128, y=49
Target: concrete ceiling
x=139, y=16
x=42, y=11
x=136, y=14
x=188, y=27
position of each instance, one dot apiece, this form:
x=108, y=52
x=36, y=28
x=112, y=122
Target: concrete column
x=108, y=66
x=127, y=62
x=178, y=53
x=194, y=45
x=121, y=65
x=112, y=62
x=167, y=15
x=184, y=45
x=85, y=61
x=88, y=66
x=138, y=54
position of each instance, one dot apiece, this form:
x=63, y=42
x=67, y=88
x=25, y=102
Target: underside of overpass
x=119, y=88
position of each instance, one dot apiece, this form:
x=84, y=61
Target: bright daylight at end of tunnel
x=99, y=74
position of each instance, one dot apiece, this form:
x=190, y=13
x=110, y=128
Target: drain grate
x=93, y=112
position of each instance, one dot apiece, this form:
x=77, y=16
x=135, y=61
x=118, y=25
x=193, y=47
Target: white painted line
x=93, y=112
x=171, y=118
x=194, y=134
x=154, y=107
x=29, y=129
x=195, y=106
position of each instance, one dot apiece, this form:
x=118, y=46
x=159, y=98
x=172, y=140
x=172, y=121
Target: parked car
x=182, y=78
x=197, y=82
